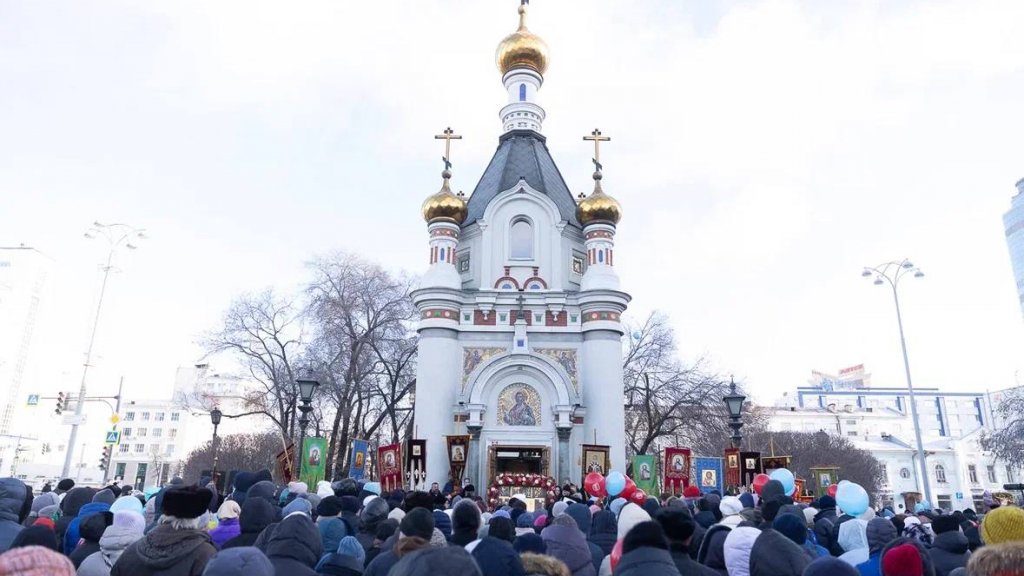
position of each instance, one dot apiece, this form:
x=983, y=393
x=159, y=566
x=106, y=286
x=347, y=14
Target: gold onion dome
x=522, y=49
x=598, y=207
x=443, y=205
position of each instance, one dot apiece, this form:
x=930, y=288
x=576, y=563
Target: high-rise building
x=23, y=277
x=1013, y=222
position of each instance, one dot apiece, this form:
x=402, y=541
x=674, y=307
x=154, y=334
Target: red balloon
x=594, y=485
x=616, y=554
x=833, y=489
x=759, y=481
x=627, y=492
x=638, y=497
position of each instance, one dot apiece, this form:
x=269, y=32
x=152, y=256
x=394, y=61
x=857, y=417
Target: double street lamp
x=891, y=273
x=215, y=416
x=734, y=404
x=307, y=387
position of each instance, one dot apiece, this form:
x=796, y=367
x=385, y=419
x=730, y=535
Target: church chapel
x=520, y=310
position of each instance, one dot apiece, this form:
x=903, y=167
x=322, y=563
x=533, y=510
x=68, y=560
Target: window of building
x=141, y=433
x=140, y=448
x=172, y=433
x=159, y=417
x=145, y=416
x=154, y=448
x=170, y=449
x=905, y=473
x=851, y=433
x=157, y=432
x=945, y=501
x=522, y=92
x=991, y=474
x=520, y=240
x=129, y=416
x=851, y=422
x=174, y=416
x=972, y=473
x=123, y=448
x=119, y=470
x=940, y=474
x=127, y=432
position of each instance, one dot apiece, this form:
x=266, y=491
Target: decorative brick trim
x=599, y=234
x=440, y=313
x=503, y=279
x=444, y=232
x=536, y=279
x=561, y=320
x=480, y=320
x=601, y=315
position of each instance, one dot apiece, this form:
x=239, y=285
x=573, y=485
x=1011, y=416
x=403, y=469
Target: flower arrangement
x=546, y=483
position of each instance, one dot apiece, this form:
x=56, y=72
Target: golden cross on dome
x=597, y=138
x=448, y=135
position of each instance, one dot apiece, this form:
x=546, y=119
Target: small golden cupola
x=522, y=48
x=443, y=204
x=598, y=207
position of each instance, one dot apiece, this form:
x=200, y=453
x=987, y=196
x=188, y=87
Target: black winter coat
x=166, y=552
x=256, y=515
x=712, y=549
x=687, y=566
x=647, y=562
x=949, y=551
x=497, y=558
x=295, y=546
x=776, y=555
x=604, y=530
x=91, y=530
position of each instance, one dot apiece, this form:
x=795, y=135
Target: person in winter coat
x=449, y=560
x=912, y=528
x=13, y=510
x=565, y=542
x=706, y=507
x=465, y=523
x=349, y=559
x=542, y=565
x=101, y=502
x=829, y=566
x=295, y=547
x=679, y=529
x=824, y=522
x=997, y=560
x=375, y=512
x=385, y=531
x=736, y=549
x=906, y=557
x=604, y=530
x=776, y=555
x=70, y=506
x=581, y=514
x=177, y=546
x=853, y=538
x=950, y=549
x=228, y=524
x=38, y=503
x=794, y=527
x=645, y=553
x=414, y=533
x=879, y=533
x=91, y=530
x=239, y=561
x=35, y=561
x=38, y=535
x=332, y=530
x=497, y=557
x=126, y=529
x=255, y=516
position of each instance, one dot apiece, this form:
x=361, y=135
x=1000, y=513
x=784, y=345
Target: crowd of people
x=350, y=528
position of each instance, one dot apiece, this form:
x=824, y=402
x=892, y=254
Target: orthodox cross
x=522, y=301
x=597, y=138
x=448, y=135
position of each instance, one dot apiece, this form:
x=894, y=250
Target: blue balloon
x=785, y=477
x=615, y=483
x=852, y=499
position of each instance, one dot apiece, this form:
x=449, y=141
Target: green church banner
x=644, y=474
x=314, y=461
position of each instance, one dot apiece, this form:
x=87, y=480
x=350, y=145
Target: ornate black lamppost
x=734, y=404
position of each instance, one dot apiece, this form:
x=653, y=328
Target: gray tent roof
x=522, y=154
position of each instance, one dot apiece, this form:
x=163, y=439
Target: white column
x=438, y=374
x=603, y=393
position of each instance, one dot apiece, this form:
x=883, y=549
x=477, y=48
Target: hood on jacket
x=43, y=500
x=13, y=493
x=738, y=545
x=773, y=554
x=115, y=539
x=332, y=530
x=879, y=533
x=92, y=527
x=296, y=538
x=262, y=489
x=646, y=561
x=568, y=545
x=630, y=516
x=240, y=561
x=496, y=557
x=164, y=546
x=433, y=561
x=604, y=530
x=256, y=515
x=581, y=514
x=75, y=499
x=952, y=542
x=853, y=535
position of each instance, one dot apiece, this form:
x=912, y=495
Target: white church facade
x=520, y=334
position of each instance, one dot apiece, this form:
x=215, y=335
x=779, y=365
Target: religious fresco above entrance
x=474, y=357
x=518, y=405
x=564, y=357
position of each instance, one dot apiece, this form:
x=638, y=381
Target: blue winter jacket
x=873, y=567
x=72, y=536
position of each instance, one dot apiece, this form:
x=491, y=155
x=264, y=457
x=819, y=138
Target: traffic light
x=105, y=460
x=61, y=403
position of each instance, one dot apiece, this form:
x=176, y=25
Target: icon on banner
x=113, y=436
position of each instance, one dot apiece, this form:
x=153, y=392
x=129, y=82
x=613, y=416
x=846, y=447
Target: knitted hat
x=466, y=517
x=771, y=489
x=323, y=489
x=630, y=516
x=396, y=514
x=107, y=497
x=540, y=521
x=829, y=566
x=65, y=484
x=349, y=546
x=1004, y=524
x=45, y=521
x=298, y=505
x=228, y=510
x=730, y=506
x=35, y=561
x=691, y=492
x=131, y=521
x=502, y=529
x=372, y=487
x=443, y=522
x=903, y=560
x=418, y=523
x=127, y=503
x=945, y=523
x=792, y=527
x=330, y=506
x=677, y=524
x=826, y=501
x=525, y=520
x=186, y=501
x=644, y=535
x=530, y=543
x=747, y=499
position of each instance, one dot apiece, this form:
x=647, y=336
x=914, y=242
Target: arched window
x=522, y=92
x=904, y=473
x=520, y=240
x=940, y=474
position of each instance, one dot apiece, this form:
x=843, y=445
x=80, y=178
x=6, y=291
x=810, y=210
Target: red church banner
x=676, y=470
x=732, y=468
x=389, y=462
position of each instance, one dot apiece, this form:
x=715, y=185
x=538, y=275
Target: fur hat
x=997, y=560
x=418, y=499
x=418, y=523
x=644, y=535
x=186, y=501
x=329, y=506
x=543, y=565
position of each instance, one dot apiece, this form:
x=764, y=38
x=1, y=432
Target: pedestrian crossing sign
x=113, y=436
x=33, y=399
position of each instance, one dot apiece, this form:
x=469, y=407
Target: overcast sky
x=764, y=151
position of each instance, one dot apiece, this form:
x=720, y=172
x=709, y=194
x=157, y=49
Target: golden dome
x=443, y=205
x=522, y=49
x=598, y=207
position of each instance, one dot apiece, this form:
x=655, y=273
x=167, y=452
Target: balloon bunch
x=614, y=485
x=852, y=498
x=782, y=476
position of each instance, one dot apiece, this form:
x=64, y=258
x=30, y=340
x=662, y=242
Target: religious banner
x=750, y=466
x=416, y=465
x=644, y=473
x=822, y=477
x=314, y=460
x=799, y=483
x=709, y=474
x=360, y=454
x=595, y=459
x=733, y=478
x=770, y=464
x=458, y=450
x=676, y=471
x=284, y=463
x=389, y=462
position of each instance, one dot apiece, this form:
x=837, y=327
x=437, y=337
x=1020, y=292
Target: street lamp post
x=117, y=236
x=892, y=273
x=734, y=404
x=307, y=386
x=215, y=416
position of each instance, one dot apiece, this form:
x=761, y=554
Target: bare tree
x=256, y=451
x=1006, y=442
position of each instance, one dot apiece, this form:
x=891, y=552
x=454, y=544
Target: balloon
x=852, y=499
x=833, y=489
x=616, y=554
x=759, y=481
x=594, y=485
x=638, y=497
x=628, y=491
x=785, y=477
x=614, y=482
